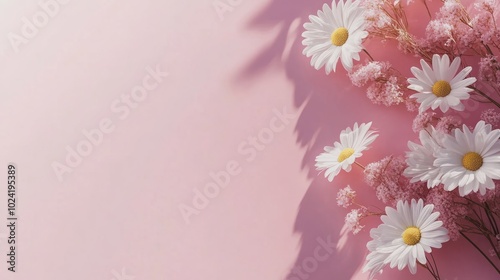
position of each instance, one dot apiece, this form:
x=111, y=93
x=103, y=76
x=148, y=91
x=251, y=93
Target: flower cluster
x=385, y=85
x=391, y=186
x=447, y=185
x=466, y=159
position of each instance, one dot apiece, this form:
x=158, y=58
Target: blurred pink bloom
x=386, y=177
x=422, y=121
x=447, y=124
x=386, y=87
x=492, y=117
x=352, y=220
x=451, y=212
x=345, y=197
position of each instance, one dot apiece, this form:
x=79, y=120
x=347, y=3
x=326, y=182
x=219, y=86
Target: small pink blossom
x=492, y=197
x=423, y=120
x=445, y=202
x=411, y=105
x=389, y=92
x=375, y=18
x=440, y=30
x=372, y=71
x=488, y=71
x=491, y=116
x=353, y=218
x=384, y=85
x=447, y=124
x=448, y=32
x=493, y=251
x=345, y=197
x=484, y=22
x=386, y=177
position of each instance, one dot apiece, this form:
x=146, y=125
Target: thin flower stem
x=480, y=205
x=472, y=201
x=368, y=54
x=359, y=165
x=488, y=49
x=492, y=224
x=493, y=245
x=492, y=219
x=431, y=271
x=359, y=205
x=427, y=8
x=485, y=96
x=480, y=251
x=431, y=268
x=435, y=265
x=480, y=225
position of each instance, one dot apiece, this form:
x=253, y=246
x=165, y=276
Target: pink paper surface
x=240, y=103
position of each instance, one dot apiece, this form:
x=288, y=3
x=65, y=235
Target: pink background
x=118, y=210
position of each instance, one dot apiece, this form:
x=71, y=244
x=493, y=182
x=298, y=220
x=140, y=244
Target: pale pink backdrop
x=116, y=215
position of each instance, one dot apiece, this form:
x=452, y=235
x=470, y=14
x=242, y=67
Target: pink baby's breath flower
x=352, y=220
x=491, y=116
x=451, y=212
x=386, y=177
x=345, y=197
x=423, y=120
x=492, y=197
x=448, y=32
x=411, y=105
x=489, y=196
x=467, y=40
x=440, y=30
x=447, y=124
x=497, y=246
x=451, y=9
x=488, y=70
x=387, y=93
x=385, y=87
x=375, y=18
x=368, y=72
x=484, y=22
x=492, y=252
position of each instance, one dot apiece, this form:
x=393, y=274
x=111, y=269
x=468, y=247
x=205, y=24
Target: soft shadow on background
x=330, y=104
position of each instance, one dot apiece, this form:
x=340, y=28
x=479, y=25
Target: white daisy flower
x=374, y=260
x=408, y=232
x=470, y=160
x=335, y=33
x=439, y=86
x=343, y=154
x=420, y=158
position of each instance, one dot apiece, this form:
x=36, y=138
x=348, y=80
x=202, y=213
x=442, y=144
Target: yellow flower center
x=339, y=36
x=411, y=236
x=472, y=161
x=441, y=88
x=346, y=153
